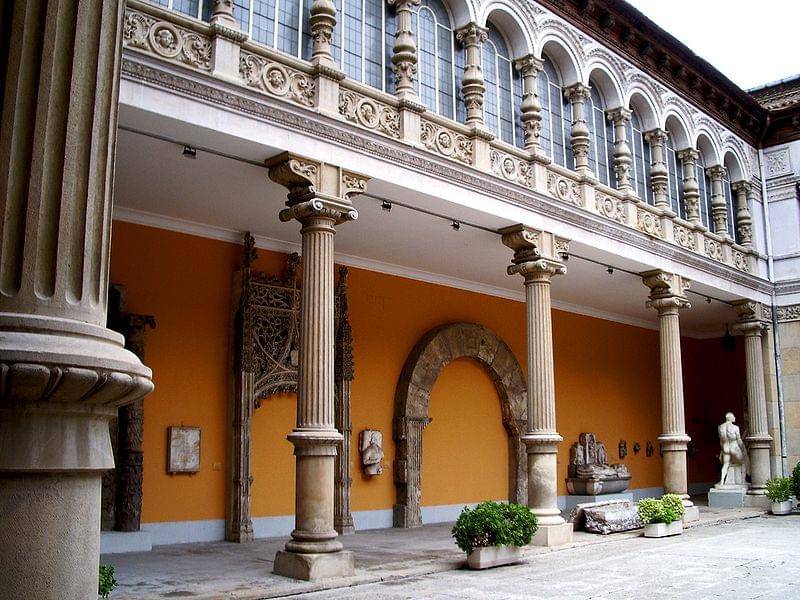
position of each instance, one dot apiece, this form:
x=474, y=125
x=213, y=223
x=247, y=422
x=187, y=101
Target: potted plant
x=796, y=481
x=779, y=490
x=661, y=517
x=491, y=534
x=106, y=582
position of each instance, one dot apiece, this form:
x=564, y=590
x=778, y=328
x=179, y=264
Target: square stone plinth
x=757, y=501
x=312, y=567
x=553, y=535
x=726, y=498
x=692, y=514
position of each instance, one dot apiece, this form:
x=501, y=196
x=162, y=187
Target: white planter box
x=782, y=508
x=493, y=556
x=657, y=530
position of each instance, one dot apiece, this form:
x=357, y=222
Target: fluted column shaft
x=472, y=37
x=404, y=51
x=620, y=117
x=659, y=174
x=744, y=222
x=62, y=373
x=719, y=211
x=691, y=190
x=758, y=439
x=577, y=95
x=667, y=296
x=531, y=108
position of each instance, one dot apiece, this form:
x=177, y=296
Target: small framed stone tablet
x=184, y=450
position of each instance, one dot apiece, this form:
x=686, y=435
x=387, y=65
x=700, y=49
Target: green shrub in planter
x=779, y=489
x=666, y=509
x=494, y=524
x=106, y=583
x=796, y=481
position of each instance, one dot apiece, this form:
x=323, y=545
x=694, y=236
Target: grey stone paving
x=756, y=558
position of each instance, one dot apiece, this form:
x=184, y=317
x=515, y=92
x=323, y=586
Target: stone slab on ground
x=571, y=501
x=576, y=517
x=611, y=519
x=722, y=498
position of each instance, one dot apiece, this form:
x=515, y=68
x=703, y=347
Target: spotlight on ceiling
x=564, y=256
x=386, y=205
x=610, y=270
x=455, y=225
x=708, y=299
x=190, y=152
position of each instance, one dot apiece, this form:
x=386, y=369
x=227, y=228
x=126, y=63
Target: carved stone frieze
x=784, y=313
x=564, y=189
x=369, y=113
x=276, y=79
x=611, y=208
x=446, y=142
x=741, y=261
x=684, y=237
x=648, y=223
x=166, y=40
x=510, y=168
x=713, y=249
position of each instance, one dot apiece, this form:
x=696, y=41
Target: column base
x=692, y=514
x=726, y=497
x=312, y=567
x=757, y=501
x=553, y=535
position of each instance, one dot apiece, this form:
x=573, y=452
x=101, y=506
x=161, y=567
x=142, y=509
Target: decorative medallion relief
x=684, y=237
x=611, y=208
x=564, y=189
x=713, y=249
x=276, y=79
x=740, y=261
x=778, y=163
x=369, y=113
x=166, y=40
x=445, y=142
x=511, y=169
x=648, y=223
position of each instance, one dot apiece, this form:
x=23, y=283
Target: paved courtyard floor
x=729, y=554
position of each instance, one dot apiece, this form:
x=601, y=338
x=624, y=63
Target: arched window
x=674, y=178
x=704, y=183
x=503, y=96
x=601, y=139
x=554, y=135
x=641, y=159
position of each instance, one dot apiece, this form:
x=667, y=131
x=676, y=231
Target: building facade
x=518, y=222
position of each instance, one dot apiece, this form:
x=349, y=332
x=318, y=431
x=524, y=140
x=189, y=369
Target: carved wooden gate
x=266, y=338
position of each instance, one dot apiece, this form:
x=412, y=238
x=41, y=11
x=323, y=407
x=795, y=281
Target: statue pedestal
x=757, y=501
x=726, y=496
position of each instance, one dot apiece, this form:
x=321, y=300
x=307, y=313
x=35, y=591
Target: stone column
x=472, y=37
x=744, y=222
x=668, y=297
x=319, y=198
x=691, y=191
x=620, y=117
x=322, y=18
x=537, y=257
x=719, y=212
x=577, y=95
x=758, y=440
x=63, y=374
x=531, y=107
x=404, y=51
x=659, y=173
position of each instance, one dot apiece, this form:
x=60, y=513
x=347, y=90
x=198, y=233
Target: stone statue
x=733, y=453
x=589, y=471
x=371, y=444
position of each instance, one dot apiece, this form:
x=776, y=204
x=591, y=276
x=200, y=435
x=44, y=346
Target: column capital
x=687, y=155
x=742, y=186
x=577, y=92
x=717, y=172
x=749, y=320
x=403, y=3
x=472, y=34
x=656, y=137
x=667, y=290
x=619, y=116
x=529, y=65
x=316, y=188
x=537, y=254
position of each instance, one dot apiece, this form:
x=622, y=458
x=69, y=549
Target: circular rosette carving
x=166, y=40
x=276, y=79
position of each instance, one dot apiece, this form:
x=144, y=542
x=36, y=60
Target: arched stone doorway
x=434, y=351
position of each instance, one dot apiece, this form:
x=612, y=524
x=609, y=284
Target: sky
x=753, y=42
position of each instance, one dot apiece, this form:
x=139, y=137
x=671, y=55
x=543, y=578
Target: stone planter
x=782, y=508
x=493, y=556
x=657, y=530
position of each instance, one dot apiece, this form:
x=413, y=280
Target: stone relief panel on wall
x=184, y=450
x=371, y=444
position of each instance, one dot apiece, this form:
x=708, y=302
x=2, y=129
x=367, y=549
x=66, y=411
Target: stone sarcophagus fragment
x=590, y=474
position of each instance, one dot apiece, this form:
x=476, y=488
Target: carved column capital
x=749, y=319
x=537, y=254
x=667, y=291
x=688, y=155
x=577, y=92
x=742, y=186
x=656, y=137
x=620, y=116
x=472, y=34
x=716, y=173
x=529, y=65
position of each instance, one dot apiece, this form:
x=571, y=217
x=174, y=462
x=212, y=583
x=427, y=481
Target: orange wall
x=606, y=381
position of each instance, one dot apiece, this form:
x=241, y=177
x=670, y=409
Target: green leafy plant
x=796, y=481
x=106, y=583
x=666, y=509
x=779, y=489
x=494, y=524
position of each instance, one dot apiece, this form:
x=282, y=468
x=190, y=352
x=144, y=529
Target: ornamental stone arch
x=432, y=353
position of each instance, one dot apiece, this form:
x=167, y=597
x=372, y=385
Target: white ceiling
x=227, y=192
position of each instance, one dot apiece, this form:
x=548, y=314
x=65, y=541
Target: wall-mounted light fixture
x=190, y=152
